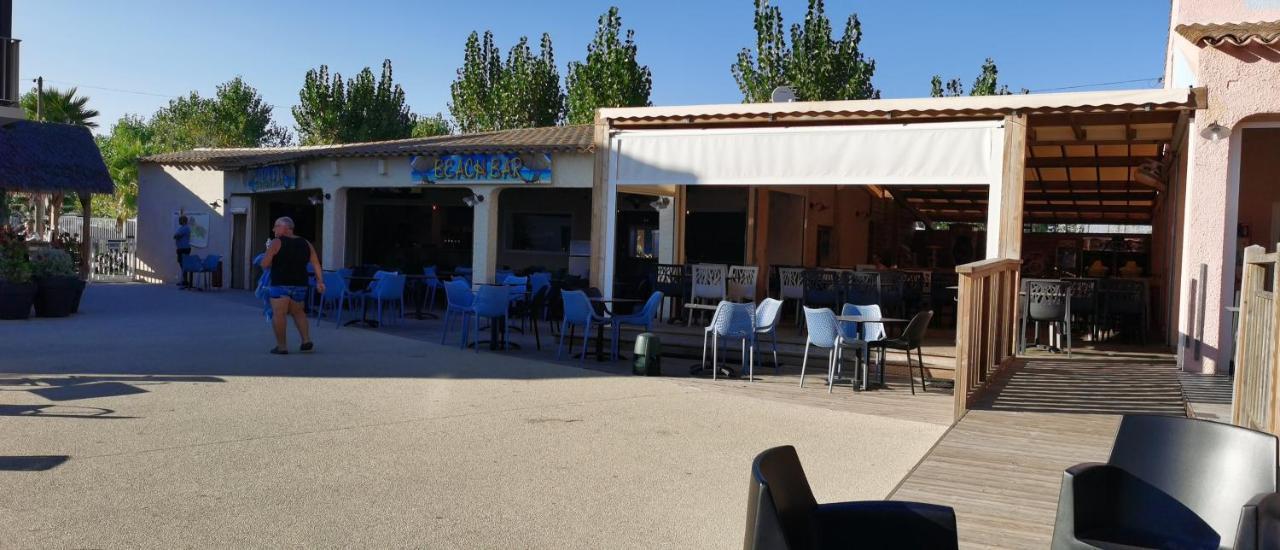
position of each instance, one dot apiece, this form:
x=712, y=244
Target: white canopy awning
x=946, y=153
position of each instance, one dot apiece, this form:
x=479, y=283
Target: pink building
x=1231, y=197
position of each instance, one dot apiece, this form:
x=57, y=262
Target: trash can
x=648, y=355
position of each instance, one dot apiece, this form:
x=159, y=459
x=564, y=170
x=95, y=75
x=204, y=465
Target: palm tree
x=62, y=106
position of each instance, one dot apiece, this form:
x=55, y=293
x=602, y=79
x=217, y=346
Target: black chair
x=912, y=338
x=1045, y=301
x=782, y=514
x=672, y=280
x=862, y=287
x=531, y=311
x=892, y=293
x=821, y=288
x=1124, y=307
x=914, y=291
x=1173, y=482
x=1084, y=303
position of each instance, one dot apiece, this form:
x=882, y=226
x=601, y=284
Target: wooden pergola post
x=1012, y=187
x=86, y=208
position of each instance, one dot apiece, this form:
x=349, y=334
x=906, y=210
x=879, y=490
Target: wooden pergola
x=44, y=157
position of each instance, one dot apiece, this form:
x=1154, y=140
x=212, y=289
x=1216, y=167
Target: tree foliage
x=236, y=116
x=131, y=138
x=363, y=108
x=610, y=76
x=434, y=125
x=816, y=65
x=523, y=92
x=987, y=83
x=62, y=106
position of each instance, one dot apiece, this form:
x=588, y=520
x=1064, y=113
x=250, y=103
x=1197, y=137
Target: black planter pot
x=75, y=304
x=16, y=299
x=56, y=296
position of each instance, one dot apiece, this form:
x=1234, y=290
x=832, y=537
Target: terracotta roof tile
x=1231, y=34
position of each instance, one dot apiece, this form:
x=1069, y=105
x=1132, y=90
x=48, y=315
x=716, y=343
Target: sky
x=132, y=56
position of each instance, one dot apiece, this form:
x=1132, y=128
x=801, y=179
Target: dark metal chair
x=1124, y=306
x=821, y=288
x=672, y=280
x=1045, y=301
x=912, y=338
x=1084, y=303
x=782, y=514
x=1172, y=482
x=915, y=287
x=862, y=287
x=892, y=293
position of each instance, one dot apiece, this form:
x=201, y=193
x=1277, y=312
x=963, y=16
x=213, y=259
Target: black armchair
x=1172, y=483
x=782, y=514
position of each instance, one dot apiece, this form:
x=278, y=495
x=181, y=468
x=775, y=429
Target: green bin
x=648, y=355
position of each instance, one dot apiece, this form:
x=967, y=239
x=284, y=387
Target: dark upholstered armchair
x=1173, y=483
x=783, y=515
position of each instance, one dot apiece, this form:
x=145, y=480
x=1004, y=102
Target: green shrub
x=51, y=262
x=15, y=266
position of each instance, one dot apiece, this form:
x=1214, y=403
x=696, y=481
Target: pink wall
x=1241, y=84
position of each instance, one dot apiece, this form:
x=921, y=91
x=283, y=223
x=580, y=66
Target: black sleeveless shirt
x=289, y=267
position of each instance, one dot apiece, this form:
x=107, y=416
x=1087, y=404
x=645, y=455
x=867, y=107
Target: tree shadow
x=33, y=463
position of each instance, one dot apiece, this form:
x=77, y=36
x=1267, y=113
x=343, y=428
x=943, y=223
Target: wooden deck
x=1000, y=466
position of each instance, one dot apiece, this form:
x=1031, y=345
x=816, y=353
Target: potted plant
x=70, y=244
x=57, y=283
x=17, y=291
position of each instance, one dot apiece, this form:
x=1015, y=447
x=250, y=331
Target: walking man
x=182, y=241
x=287, y=257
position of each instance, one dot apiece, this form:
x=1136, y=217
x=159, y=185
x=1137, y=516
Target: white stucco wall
x=163, y=190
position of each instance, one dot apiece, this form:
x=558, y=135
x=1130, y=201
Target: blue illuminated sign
x=482, y=167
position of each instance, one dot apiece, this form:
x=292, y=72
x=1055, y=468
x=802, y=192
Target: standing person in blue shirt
x=287, y=258
x=182, y=241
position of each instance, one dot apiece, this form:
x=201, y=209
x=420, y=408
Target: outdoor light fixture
x=472, y=200
x=661, y=203
x=1215, y=132
x=216, y=204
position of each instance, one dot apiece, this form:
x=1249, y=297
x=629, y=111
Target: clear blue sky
x=169, y=47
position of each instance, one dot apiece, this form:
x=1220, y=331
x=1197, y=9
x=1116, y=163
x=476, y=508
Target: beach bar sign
x=273, y=178
x=482, y=168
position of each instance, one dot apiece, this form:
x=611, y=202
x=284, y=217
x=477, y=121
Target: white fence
x=113, y=246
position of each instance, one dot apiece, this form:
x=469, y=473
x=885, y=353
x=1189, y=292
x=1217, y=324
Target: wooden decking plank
x=1001, y=466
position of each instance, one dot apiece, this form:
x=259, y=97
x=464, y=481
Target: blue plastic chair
x=463, y=272
x=458, y=301
x=820, y=324
x=537, y=280
x=388, y=289
x=335, y=290
x=492, y=302
x=500, y=276
x=642, y=318
x=850, y=337
x=578, y=312
x=207, y=267
x=732, y=321
x=430, y=287
x=192, y=265
x=768, y=313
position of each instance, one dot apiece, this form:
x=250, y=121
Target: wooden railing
x=1254, y=400
x=986, y=325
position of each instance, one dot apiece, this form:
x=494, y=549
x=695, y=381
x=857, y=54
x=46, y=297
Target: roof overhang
x=911, y=109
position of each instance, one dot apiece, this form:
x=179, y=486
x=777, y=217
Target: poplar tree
x=610, y=76
x=816, y=65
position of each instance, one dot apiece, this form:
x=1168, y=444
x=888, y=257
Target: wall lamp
x=216, y=204
x=315, y=200
x=1215, y=132
x=661, y=203
x=473, y=200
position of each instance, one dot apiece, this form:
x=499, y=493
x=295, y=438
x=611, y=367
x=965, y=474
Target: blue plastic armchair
x=733, y=322
x=642, y=318
x=191, y=266
x=430, y=287
x=768, y=313
x=207, y=267
x=820, y=325
x=459, y=300
x=492, y=302
x=389, y=290
x=335, y=290
x=578, y=313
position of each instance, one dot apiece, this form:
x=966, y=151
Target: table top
x=616, y=300
x=861, y=319
x=708, y=307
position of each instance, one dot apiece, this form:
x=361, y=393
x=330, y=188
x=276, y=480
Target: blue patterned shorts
x=295, y=293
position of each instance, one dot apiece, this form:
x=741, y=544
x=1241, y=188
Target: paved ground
x=180, y=431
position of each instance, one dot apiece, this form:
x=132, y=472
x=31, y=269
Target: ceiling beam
x=1103, y=119
x=1087, y=162
x=1036, y=195
x=1054, y=142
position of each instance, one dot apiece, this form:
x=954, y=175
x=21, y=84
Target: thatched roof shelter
x=43, y=157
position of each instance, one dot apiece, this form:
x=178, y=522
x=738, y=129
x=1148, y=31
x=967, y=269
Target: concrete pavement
x=182, y=431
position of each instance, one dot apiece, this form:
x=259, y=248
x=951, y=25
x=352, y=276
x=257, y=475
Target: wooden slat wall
x=986, y=325
x=1257, y=384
